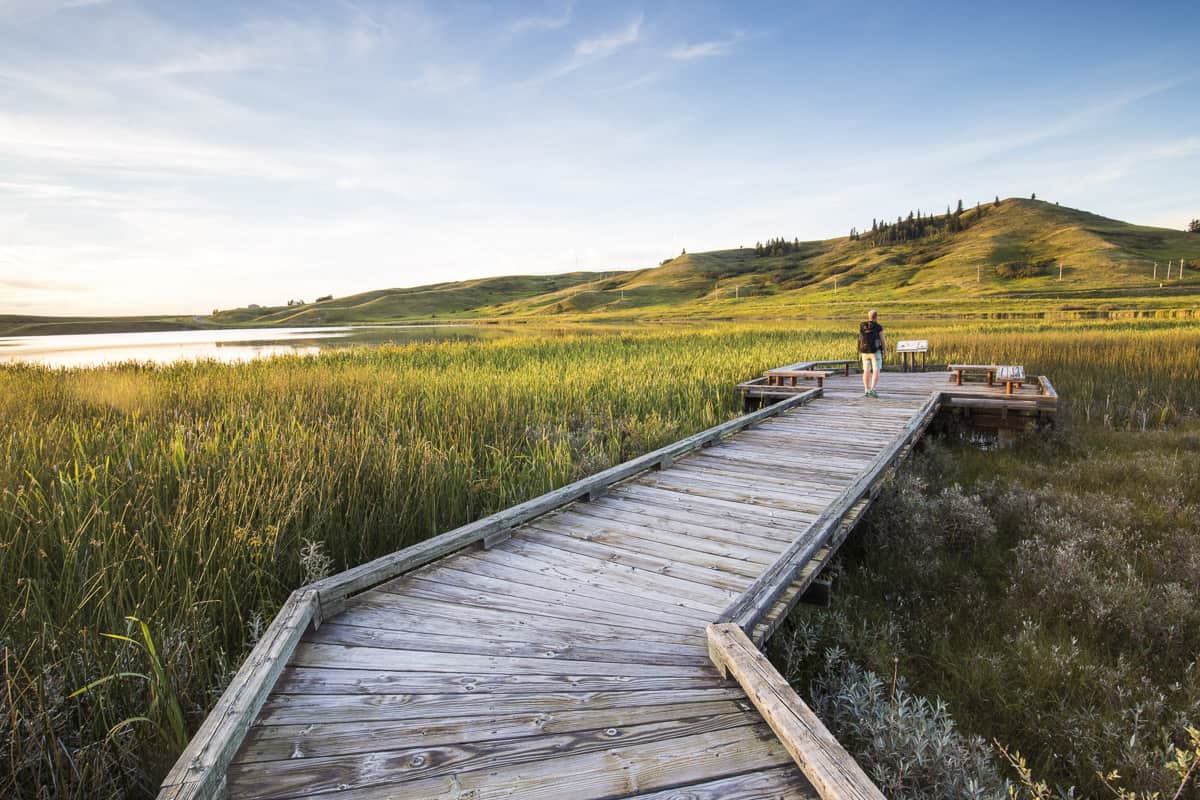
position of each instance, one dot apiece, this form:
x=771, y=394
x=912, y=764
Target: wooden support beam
x=829, y=768
x=818, y=593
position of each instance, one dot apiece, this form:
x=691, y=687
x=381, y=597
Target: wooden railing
x=757, y=600
x=829, y=768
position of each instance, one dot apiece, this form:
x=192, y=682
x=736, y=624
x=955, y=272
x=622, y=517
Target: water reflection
x=164, y=347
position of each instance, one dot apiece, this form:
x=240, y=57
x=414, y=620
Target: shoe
x=867, y=393
x=874, y=394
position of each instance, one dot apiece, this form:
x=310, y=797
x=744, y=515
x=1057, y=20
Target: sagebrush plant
x=1067, y=629
x=184, y=495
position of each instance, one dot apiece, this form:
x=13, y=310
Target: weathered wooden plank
x=771, y=620
x=761, y=469
x=430, y=611
x=199, y=772
x=317, y=740
x=621, y=509
x=761, y=538
x=614, y=772
x=620, y=613
x=765, y=590
x=327, y=680
x=618, y=576
x=306, y=776
x=528, y=574
x=305, y=709
x=830, y=769
x=629, y=650
x=669, y=498
x=780, y=783
x=803, y=497
x=313, y=654
x=332, y=591
x=718, y=585
x=628, y=541
x=676, y=580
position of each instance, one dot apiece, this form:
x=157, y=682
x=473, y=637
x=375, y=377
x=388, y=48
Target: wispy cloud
x=592, y=50
x=1130, y=160
x=605, y=45
x=19, y=10
x=541, y=23
x=1073, y=122
x=709, y=49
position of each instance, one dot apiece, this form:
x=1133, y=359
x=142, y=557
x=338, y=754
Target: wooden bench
x=1011, y=376
x=775, y=377
x=844, y=363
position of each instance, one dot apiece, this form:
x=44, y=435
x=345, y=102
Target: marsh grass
x=1066, y=628
x=195, y=497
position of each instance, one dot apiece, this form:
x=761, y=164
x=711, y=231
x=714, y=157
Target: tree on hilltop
x=997, y=203
x=1194, y=226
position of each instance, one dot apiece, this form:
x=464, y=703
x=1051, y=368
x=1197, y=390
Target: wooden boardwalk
x=568, y=659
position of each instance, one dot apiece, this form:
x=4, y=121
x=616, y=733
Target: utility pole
x=1060, y=270
x=1155, y=270
x=1169, y=263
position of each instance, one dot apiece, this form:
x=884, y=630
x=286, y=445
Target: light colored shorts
x=870, y=361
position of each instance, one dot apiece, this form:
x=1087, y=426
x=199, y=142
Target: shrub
x=1022, y=269
x=907, y=744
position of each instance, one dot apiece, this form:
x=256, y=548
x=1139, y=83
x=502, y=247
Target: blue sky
x=180, y=157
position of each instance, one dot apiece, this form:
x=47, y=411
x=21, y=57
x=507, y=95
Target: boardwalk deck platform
x=559, y=649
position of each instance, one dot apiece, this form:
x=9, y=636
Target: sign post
x=908, y=354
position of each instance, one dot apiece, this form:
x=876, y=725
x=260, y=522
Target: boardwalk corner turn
x=561, y=648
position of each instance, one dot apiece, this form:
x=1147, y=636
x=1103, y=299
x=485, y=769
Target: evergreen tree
x=958, y=210
x=997, y=203
x=1194, y=226
x=1033, y=195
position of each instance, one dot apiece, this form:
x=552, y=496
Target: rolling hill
x=1017, y=253
x=1007, y=252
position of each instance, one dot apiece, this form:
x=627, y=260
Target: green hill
x=1003, y=253
x=1019, y=255
x=455, y=300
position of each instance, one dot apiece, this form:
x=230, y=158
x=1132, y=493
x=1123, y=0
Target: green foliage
x=1018, y=269
x=1065, y=626
x=195, y=497
x=908, y=745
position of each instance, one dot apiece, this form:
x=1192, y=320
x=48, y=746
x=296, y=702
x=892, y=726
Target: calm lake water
x=222, y=345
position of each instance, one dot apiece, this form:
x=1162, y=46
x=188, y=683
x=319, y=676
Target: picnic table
x=1012, y=376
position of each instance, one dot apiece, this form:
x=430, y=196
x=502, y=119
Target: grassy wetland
x=193, y=498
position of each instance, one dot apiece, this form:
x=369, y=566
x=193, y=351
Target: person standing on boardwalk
x=870, y=347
